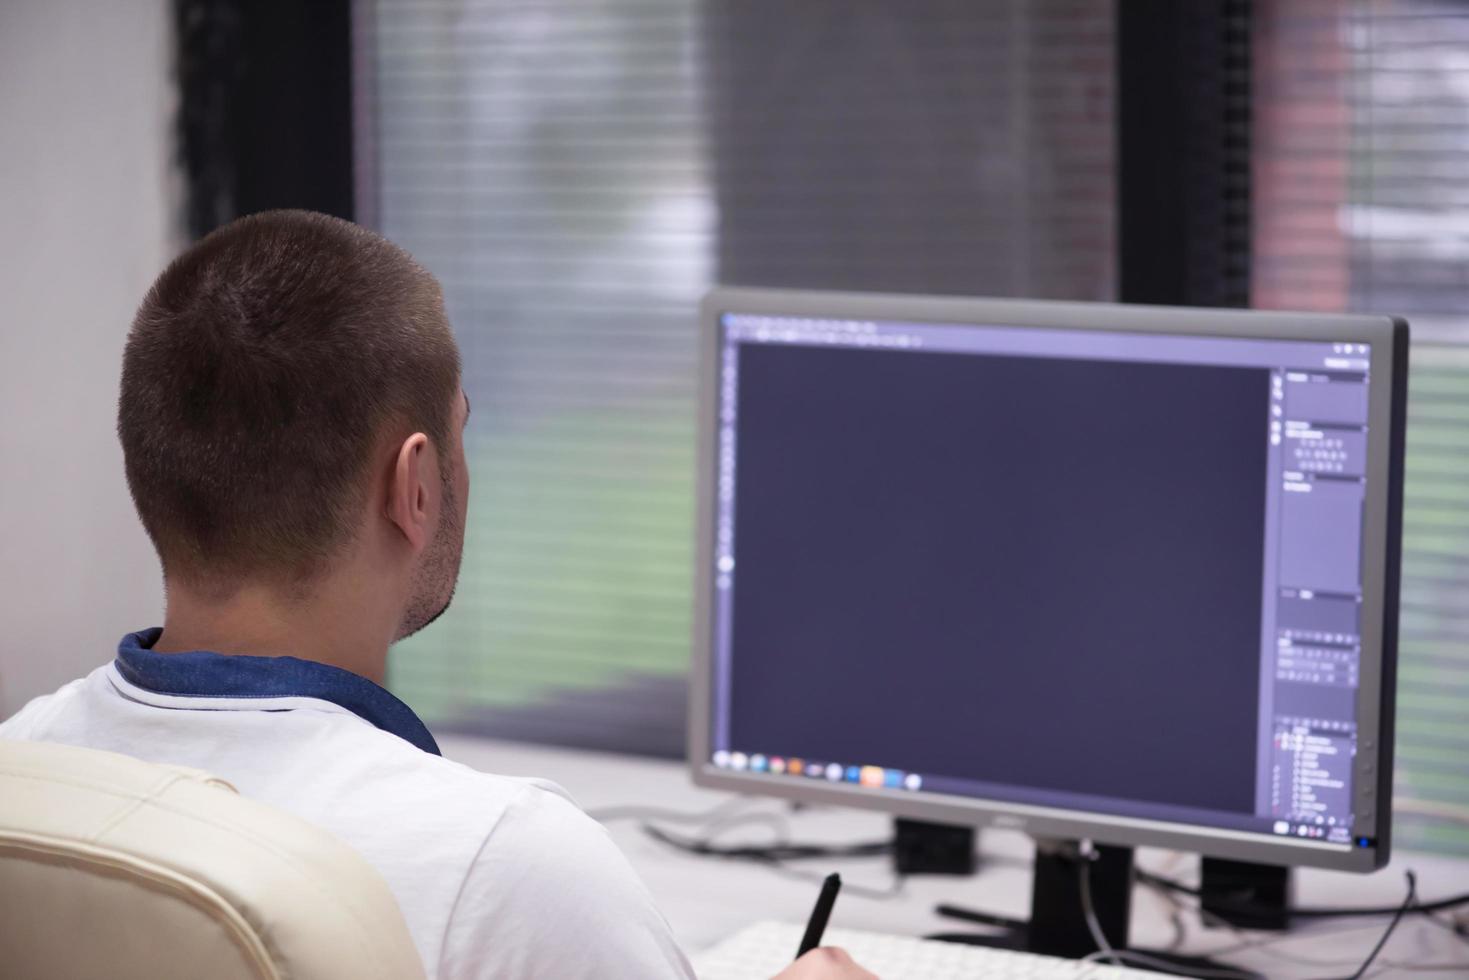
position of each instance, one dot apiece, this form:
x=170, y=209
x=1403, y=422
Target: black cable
x=1387, y=933
x=982, y=918
x=1453, y=901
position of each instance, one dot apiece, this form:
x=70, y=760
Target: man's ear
x=410, y=505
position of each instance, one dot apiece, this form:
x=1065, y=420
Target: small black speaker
x=921, y=848
x=1246, y=895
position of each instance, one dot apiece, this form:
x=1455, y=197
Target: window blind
x=579, y=172
x=547, y=161
x=1361, y=202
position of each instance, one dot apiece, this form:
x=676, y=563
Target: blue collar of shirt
x=202, y=674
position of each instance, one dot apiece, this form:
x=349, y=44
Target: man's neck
x=259, y=621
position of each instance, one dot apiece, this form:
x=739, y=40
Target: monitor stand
x=1057, y=925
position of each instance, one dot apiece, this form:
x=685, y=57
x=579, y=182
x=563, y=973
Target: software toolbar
x=1319, y=426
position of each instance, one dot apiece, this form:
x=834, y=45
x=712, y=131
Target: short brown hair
x=263, y=369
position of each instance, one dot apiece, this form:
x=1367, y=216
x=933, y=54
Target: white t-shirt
x=497, y=876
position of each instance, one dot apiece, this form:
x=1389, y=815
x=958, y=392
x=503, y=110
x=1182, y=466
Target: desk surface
x=706, y=900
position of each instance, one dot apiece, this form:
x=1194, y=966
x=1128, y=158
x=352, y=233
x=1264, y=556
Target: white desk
x=707, y=899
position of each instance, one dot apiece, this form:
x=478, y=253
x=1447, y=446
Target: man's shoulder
x=428, y=777
x=563, y=897
x=33, y=715
x=314, y=757
x=372, y=758
x=507, y=873
x=490, y=870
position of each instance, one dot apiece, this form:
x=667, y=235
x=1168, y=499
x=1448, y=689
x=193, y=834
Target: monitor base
x=1057, y=925
x=1179, y=964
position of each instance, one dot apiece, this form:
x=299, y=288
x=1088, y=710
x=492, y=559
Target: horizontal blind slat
x=1361, y=127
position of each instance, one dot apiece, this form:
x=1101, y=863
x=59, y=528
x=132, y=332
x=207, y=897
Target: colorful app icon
x=738, y=761
x=721, y=759
x=872, y=775
x=913, y=781
x=815, y=770
x=777, y=765
x=834, y=772
x=757, y=763
x=795, y=767
x=892, y=778
x=854, y=774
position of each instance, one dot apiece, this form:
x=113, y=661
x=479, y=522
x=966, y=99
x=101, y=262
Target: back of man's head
x=264, y=368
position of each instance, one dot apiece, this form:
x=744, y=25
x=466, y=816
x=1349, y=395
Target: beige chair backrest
x=113, y=867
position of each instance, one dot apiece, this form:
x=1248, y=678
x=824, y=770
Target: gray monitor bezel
x=1372, y=782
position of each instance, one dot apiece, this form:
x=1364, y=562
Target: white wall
x=87, y=219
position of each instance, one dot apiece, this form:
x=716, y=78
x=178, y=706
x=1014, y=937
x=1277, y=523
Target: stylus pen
x=822, y=912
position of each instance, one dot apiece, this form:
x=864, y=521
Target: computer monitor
x=1119, y=573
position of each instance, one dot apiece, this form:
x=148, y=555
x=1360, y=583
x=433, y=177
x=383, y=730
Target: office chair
x=114, y=867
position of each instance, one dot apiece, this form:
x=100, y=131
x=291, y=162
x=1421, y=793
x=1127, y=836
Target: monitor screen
x=1108, y=571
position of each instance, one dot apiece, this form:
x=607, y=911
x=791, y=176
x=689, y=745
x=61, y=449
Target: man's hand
x=826, y=963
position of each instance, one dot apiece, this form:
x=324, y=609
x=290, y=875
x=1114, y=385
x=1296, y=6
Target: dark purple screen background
x=1020, y=570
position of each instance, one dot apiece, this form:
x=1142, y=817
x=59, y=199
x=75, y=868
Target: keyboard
x=766, y=948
